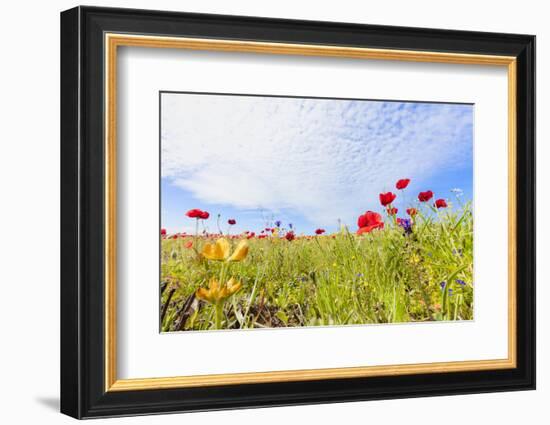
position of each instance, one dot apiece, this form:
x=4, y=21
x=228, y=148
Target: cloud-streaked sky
x=307, y=161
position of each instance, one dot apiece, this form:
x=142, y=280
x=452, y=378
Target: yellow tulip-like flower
x=240, y=252
x=216, y=251
x=220, y=251
x=216, y=293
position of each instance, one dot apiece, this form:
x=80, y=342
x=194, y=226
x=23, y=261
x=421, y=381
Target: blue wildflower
x=406, y=224
x=278, y=223
x=461, y=282
x=443, y=284
x=290, y=225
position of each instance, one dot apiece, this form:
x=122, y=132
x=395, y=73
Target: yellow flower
x=220, y=250
x=216, y=251
x=216, y=293
x=240, y=252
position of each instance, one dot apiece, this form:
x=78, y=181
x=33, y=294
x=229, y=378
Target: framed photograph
x=261, y=212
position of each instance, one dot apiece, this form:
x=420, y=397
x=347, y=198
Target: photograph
x=281, y=212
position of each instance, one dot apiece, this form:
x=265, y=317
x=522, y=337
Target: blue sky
x=310, y=162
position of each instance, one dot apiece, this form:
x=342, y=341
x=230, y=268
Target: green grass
x=385, y=276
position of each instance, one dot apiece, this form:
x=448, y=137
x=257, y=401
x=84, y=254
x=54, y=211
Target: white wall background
x=29, y=209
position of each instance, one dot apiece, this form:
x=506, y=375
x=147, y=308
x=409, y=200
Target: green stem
x=219, y=315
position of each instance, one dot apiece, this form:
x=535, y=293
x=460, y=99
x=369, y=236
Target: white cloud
x=324, y=159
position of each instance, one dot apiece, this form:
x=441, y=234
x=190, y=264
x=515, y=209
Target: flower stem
x=219, y=315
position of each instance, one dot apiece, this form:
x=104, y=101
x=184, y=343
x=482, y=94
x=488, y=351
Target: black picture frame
x=83, y=392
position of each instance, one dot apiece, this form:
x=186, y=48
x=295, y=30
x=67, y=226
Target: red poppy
x=392, y=211
x=231, y=221
x=387, y=198
x=163, y=232
x=368, y=222
x=194, y=213
x=319, y=231
x=175, y=236
x=189, y=244
x=290, y=236
x=411, y=211
x=251, y=235
x=204, y=215
x=440, y=203
x=262, y=236
x=402, y=183
x=425, y=196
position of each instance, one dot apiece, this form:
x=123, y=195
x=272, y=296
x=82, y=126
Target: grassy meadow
x=393, y=271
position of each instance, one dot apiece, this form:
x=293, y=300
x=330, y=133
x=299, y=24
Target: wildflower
x=251, y=235
x=196, y=213
x=319, y=231
x=220, y=250
x=460, y=282
x=290, y=225
x=189, y=244
x=412, y=211
x=443, y=284
x=440, y=203
x=163, y=232
x=425, y=196
x=368, y=222
x=406, y=224
x=290, y=236
x=392, y=211
x=278, y=223
x=216, y=293
x=359, y=275
x=231, y=221
x=175, y=236
x=402, y=183
x=387, y=198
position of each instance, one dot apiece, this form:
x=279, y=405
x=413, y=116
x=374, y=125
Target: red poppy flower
x=231, y=221
x=411, y=211
x=175, y=236
x=194, y=213
x=163, y=232
x=189, y=244
x=387, y=198
x=251, y=235
x=319, y=231
x=262, y=236
x=402, y=183
x=425, y=196
x=204, y=215
x=290, y=236
x=392, y=211
x=440, y=203
x=369, y=221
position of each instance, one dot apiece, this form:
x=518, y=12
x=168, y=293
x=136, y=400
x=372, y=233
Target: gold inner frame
x=113, y=41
